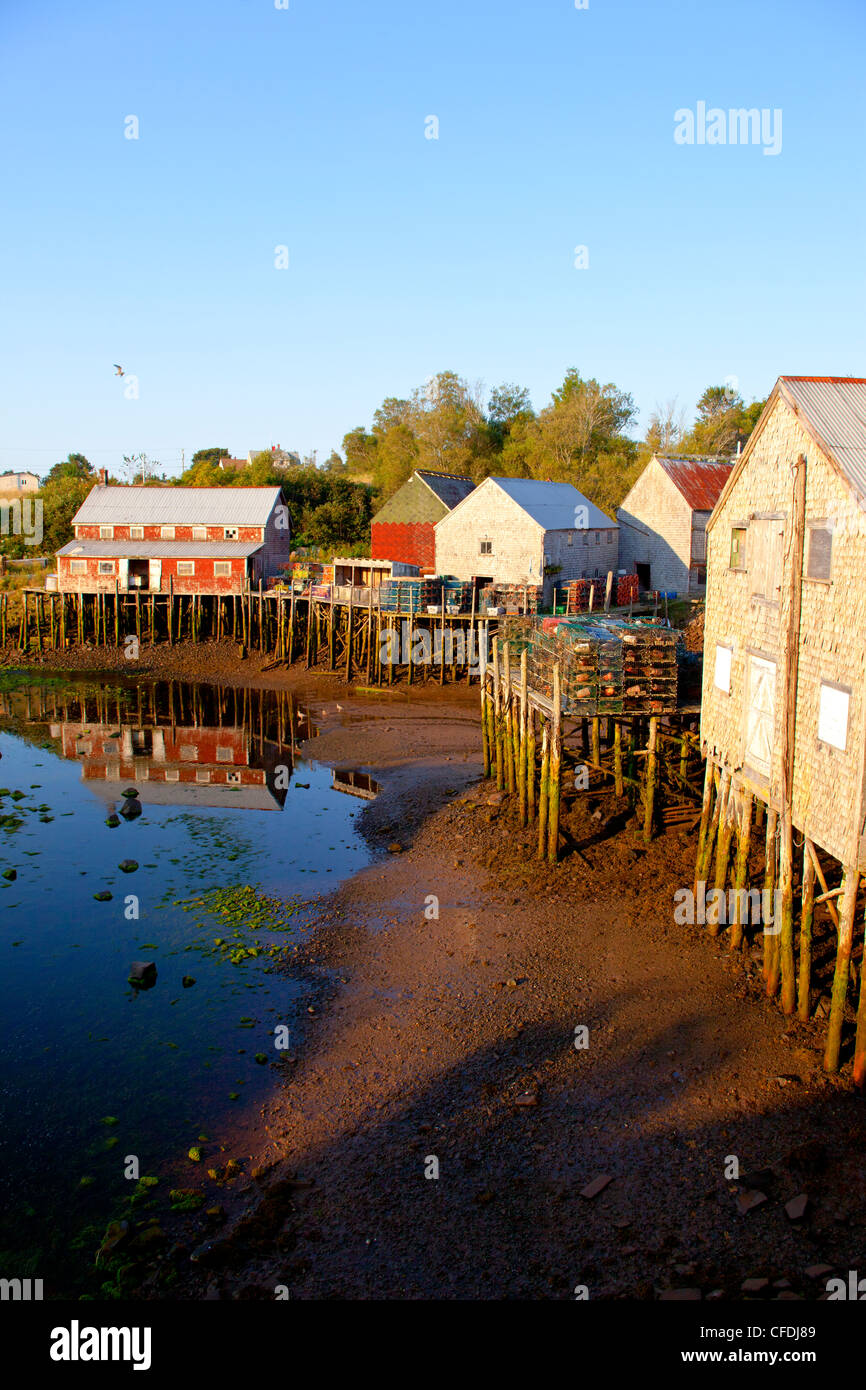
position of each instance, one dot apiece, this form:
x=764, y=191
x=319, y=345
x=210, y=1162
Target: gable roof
x=698, y=480
x=832, y=409
x=551, y=505
x=450, y=488
x=157, y=506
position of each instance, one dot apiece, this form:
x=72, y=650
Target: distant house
x=233, y=465
x=520, y=531
x=204, y=540
x=280, y=458
x=663, y=522
x=18, y=483
x=403, y=529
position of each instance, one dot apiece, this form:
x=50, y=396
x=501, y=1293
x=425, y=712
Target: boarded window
x=199, y=533
x=225, y=755
x=820, y=552
x=761, y=714
x=722, y=673
x=136, y=533
x=202, y=774
x=571, y=538
x=766, y=540
x=189, y=752
x=106, y=567
x=833, y=716
x=186, y=566
x=167, y=533
x=77, y=566
x=738, y=547
x=222, y=569
x=106, y=533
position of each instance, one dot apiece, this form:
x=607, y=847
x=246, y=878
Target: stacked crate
x=650, y=670
x=627, y=589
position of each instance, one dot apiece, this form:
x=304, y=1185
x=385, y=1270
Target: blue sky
x=305, y=127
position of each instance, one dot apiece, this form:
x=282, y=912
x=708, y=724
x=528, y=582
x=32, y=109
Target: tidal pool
x=233, y=836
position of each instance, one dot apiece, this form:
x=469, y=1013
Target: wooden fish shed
x=783, y=717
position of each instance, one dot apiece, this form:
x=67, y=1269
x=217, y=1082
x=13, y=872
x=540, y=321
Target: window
x=77, y=566
x=167, y=533
x=820, y=552
x=610, y=537
x=738, y=547
x=722, y=673
x=202, y=774
x=766, y=538
x=199, y=533
x=486, y=547
x=222, y=569
x=233, y=779
x=106, y=567
x=186, y=566
x=136, y=533
x=571, y=538
x=598, y=538
x=761, y=714
x=106, y=533
x=189, y=753
x=225, y=755
x=230, y=533
x=172, y=774
x=833, y=715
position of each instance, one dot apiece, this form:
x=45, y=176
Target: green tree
x=209, y=456
x=75, y=466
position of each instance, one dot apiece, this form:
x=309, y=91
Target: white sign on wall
x=833, y=716
x=722, y=673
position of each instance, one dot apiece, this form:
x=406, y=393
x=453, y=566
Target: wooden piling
x=741, y=868
x=555, y=774
x=544, y=787
x=808, y=913
x=650, y=777
x=839, y=995
x=771, y=938
x=522, y=753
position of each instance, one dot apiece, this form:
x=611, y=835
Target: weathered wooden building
x=663, y=521
x=208, y=540
x=784, y=704
x=403, y=528
x=521, y=531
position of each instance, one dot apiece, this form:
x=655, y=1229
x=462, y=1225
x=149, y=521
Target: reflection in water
x=355, y=783
x=179, y=744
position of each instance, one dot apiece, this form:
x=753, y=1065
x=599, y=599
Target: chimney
x=103, y=476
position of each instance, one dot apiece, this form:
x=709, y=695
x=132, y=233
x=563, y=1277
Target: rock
x=754, y=1285
x=747, y=1201
x=129, y=792
x=597, y=1185
x=194, y=1154
x=796, y=1208
x=142, y=974
x=115, y=1233
x=395, y=847
x=680, y=1296
x=715, y=1295
x=128, y=866
x=496, y=799
x=188, y=981
x=103, y=897
x=131, y=808
x=149, y=1238
x=10, y=874
x=818, y=1271
x=112, y=821
x=528, y=1098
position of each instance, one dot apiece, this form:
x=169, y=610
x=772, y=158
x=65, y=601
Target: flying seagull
x=118, y=371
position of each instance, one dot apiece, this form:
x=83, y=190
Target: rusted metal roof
x=699, y=480
x=154, y=506
x=834, y=409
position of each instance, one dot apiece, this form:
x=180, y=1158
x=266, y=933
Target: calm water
x=93, y=1069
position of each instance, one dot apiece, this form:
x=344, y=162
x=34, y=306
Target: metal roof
x=155, y=506
x=144, y=550
x=835, y=408
x=450, y=488
x=699, y=480
x=551, y=505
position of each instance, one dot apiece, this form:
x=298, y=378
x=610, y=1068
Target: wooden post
x=509, y=722
x=596, y=741
x=727, y=819
x=700, y=869
x=555, y=783
x=741, y=869
x=789, y=720
x=771, y=939
x=543, y=799
x=470, y=638
x=485, y=740
x=522, y=762
x=530, y=764
x=808, y=898
x=497, y=718
x=860, y=1038
x=608, y=588
x=839, y=996
x=651, y=776
x=617, y=758
x=349, y=626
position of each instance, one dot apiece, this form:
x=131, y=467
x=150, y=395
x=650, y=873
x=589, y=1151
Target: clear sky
x=305, y=127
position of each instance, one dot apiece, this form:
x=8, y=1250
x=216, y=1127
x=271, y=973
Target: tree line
x=583, y=436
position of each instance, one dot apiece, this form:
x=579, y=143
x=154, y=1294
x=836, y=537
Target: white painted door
x=154, y=575
x=123, y=573
x=761, y=714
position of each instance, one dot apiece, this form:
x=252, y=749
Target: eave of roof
x=143, y=550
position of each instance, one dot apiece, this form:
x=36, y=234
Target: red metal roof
x=699, y=480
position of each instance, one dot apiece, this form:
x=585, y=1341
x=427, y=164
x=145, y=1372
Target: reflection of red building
x=178, y=763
